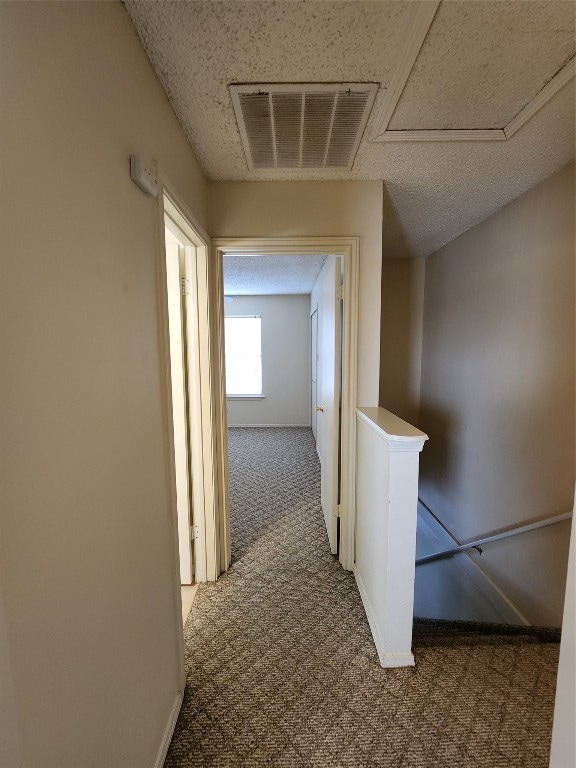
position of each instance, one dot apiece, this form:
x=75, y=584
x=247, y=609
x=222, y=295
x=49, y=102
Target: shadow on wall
x=437, y=467
x=402, y=300
x=394, y=241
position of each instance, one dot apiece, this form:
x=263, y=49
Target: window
x=243, y=356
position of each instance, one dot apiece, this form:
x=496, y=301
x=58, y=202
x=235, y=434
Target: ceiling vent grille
x=302, y=126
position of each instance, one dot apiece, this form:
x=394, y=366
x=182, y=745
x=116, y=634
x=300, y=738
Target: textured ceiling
x=261, y=275
x=481, y=62
x=502, y=53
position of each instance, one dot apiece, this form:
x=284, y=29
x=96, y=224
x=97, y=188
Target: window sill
x=245, y=397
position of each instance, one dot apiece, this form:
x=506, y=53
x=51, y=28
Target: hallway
x=281, y=666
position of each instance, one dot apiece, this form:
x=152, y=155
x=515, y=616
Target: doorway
x=268, y=305
x=176, y=246
x=344, y=251
x=188, y=295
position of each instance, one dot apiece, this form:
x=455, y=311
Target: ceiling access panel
x=482, y=62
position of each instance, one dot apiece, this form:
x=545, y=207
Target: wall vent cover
x=315, y=125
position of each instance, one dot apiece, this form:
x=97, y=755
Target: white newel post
x=387, y=460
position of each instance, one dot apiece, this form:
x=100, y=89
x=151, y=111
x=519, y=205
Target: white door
x=328, y=405
x=175, y=271
x=314, y=368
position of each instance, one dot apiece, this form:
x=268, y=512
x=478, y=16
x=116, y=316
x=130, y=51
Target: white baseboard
x=464, y=561
x=387, y=660
x=264, y=426
x=169, y=731
x=392, y=660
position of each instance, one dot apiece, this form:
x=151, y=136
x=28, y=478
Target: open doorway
x=269, y=305
x=336, y=396
x=188, y=293
x=176, y=244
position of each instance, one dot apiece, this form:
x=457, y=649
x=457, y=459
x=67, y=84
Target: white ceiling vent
x=302, y=126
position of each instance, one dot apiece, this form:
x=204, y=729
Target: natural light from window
x=242, y=336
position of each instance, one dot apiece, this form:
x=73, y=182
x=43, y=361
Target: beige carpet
x=281, y=666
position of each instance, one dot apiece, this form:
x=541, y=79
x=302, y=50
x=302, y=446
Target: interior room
x=421, y=154
x=276, y=289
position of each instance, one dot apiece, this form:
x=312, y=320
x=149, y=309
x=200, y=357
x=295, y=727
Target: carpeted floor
x=281, y=666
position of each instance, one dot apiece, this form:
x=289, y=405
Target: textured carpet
x=282, y=670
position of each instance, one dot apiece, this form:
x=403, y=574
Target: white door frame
x=348, y=248
x=314, y=371
x=178, y=251
x=203, y=378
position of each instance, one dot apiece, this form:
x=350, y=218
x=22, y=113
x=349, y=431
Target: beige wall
x=315, y=209
x=402, y=305
x=87, y=558
x=285, y=361
x=497, y=394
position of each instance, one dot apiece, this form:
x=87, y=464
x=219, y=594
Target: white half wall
x=387, y=457
x=285, y=361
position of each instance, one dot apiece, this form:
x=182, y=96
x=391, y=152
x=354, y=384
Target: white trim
x=399, y=434
x=419, y=29
x=541, y=99
x=501, y=604
x=348, y=248
x=216, y=300
x=201, y=426
x=166, y=393
x=245, y=397
x=204, y=398
x=348, y=394
x=169, y=731
x=180, y=212
x=200, y=397
x=422, y=23
x=473, y=134
x=386, y=659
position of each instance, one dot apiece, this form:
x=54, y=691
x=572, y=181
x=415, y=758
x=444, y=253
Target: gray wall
x=285, y=361
x=402, y=303
x=497, y=390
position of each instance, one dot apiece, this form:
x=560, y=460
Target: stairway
x=442, y=631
